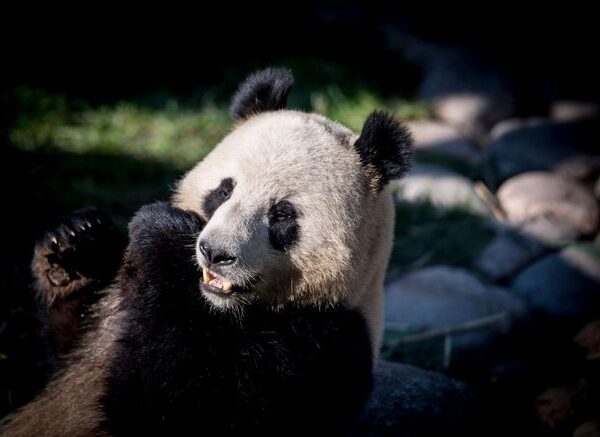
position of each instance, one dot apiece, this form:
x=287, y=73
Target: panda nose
x=215, y=255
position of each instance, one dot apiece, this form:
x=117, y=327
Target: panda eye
x=225, y=192
x=281, y=215
x=284, y=229
x=218, y=196
x=282, y=211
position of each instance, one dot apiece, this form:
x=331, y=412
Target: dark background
x=116, y=52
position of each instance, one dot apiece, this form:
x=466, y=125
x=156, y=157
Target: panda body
x=253, y=304
x=182, y=368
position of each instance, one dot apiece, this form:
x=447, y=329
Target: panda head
x=285, y=196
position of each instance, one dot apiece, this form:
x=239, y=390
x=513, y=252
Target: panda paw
x=161, y=248
x=85, y=248
x=161, y=222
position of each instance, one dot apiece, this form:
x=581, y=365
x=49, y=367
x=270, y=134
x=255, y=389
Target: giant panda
x=252, y=303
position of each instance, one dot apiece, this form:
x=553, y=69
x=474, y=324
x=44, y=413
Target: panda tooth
x=227, y=285
x=206, y=276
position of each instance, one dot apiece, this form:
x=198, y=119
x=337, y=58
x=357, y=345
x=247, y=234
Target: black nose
x=215, y=255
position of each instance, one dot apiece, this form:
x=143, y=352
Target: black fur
x=181, y=368
x=284, y=229
x=265, y=90
x=218, y=196
x=385, y=146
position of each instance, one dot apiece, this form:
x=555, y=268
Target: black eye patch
x=218, y=196
x=283, y=225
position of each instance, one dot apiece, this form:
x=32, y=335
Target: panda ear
x=385, y=148
x=265, y=90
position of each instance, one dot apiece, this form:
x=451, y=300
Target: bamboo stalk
x=449, y=330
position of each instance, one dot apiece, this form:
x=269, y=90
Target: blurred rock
x=585, y=257
x=473, y=112
x=441, y=187
x=440, y=297
x=463, y=91
x=556, y=405
x=583, y=168
x=538, y=146
x=441, y=139
x=589, y=339
x=514, y=124
x=508, y=253
x=588, y=429
x=411, y=402
x=549, y=207
x=566, y=110
x=550, y=231
x=564, y=285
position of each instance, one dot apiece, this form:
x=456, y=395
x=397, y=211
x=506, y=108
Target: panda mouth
x=216, y=284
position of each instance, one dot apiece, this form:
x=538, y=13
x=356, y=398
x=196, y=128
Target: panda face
x=289, y=199
x=283, y=196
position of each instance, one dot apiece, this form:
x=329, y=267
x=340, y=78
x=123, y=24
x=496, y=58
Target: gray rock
x=463, y=90
x=473, y=112
x=411, y=402
x=538, y=146
x=508, y=253
x=441, y=187
x=514, y=124
x=582, y=168
x=550, y=230
x=585, y=257
x=567, y=110
x=549, y=207
x=464, y=93
x=564, y=285
x=440, y=297
x=441, y=139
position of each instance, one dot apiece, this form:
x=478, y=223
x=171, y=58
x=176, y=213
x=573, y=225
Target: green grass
x=352, y=110
x=172, y=134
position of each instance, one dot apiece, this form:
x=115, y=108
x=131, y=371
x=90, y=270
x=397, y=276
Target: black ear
x=384, y=147
x=265, y=90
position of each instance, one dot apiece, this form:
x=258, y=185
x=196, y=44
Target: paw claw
x=78, y=251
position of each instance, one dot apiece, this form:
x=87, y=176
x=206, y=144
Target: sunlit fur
x=70, y=404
